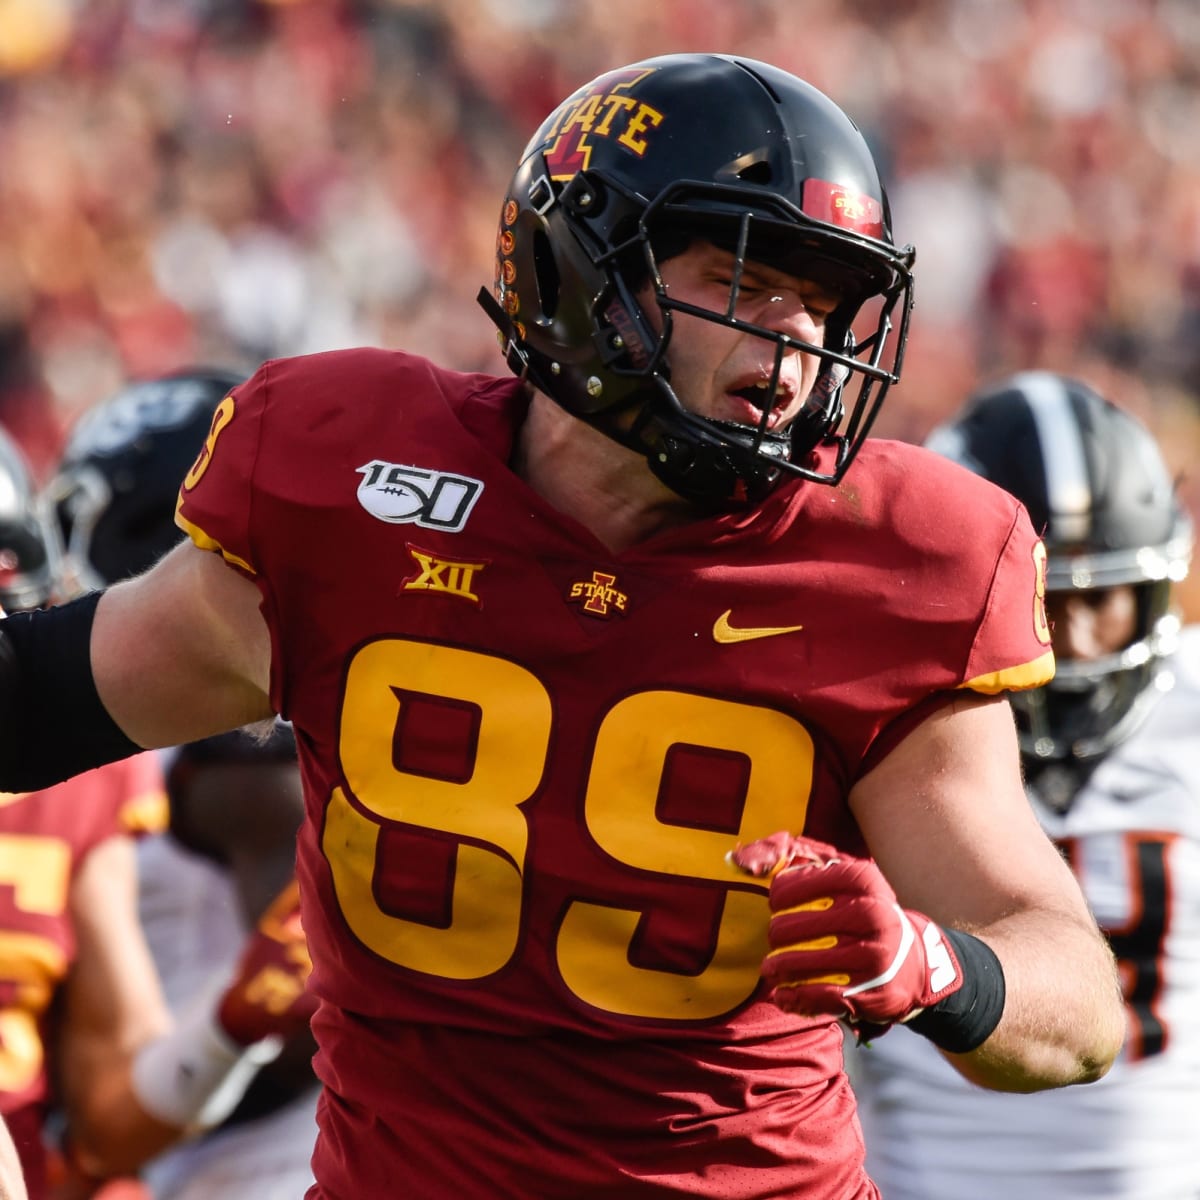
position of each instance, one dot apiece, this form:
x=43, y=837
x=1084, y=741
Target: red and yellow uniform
x=44, y=839
x=526, y=758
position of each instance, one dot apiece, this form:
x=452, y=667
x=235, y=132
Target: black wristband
x=52, y=722
x=966, y=1018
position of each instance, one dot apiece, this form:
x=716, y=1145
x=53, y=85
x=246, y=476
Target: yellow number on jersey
x=623, y=782
x=38, y=869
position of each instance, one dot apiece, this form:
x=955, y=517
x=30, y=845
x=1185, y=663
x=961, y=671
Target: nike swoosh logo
x=725, y=633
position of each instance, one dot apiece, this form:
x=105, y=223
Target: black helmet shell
x=619, y=176
x=113, y=495
x=1097, y=489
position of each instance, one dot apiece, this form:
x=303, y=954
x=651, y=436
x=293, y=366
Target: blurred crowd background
x=223, y=181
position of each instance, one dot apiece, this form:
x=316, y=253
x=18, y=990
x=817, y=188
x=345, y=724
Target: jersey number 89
x=483, y=813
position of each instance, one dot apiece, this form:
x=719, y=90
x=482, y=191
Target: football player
x=1112, y=758
x=82, y=1020
x=622, y=682
x=76, y=982
x=235, y=800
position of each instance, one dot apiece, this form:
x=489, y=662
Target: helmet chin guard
x=628, y=171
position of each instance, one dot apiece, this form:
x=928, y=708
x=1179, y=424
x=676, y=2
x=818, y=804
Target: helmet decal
x=603, y=109
x=829, y=202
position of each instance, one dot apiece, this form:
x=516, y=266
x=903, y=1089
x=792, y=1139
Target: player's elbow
x=1069, y=1033
x=1084, y=1061
x=1099, y=1030
x=1095, y=1060
x=1036, y=1067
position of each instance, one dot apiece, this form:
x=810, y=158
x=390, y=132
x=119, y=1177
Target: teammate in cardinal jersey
x=83, y=1024
x=1111, y=756
x=76, y=984
x=235, y=800
x=650, y=717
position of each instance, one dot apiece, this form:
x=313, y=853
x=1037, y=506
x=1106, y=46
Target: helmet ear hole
x=758, y=172
x=546, y=275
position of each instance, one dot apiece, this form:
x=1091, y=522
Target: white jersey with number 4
x=1133, y=838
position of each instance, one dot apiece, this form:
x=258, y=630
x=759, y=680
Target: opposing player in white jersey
x=235, y=799
x=1112, y=759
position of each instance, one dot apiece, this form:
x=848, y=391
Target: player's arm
x=966, y=925
x=183, y=651
x=174, y=655
x=947, y=820
x=238, y=800
x=112, y=1005
x=132, y=1080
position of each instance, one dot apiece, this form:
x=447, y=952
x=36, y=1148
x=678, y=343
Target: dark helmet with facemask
x=627, y=171
x=113, y=494
x=1095, y=485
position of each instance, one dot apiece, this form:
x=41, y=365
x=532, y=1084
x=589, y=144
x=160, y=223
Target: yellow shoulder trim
x=1015, y=679
x=204, y=542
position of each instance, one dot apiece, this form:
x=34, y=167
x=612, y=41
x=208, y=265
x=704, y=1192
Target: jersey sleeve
x=1011, y=650
x=215, y=504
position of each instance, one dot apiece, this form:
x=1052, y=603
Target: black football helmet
x=627, y=171
x=113, y=495
x=28, y=560
x=1096, y=487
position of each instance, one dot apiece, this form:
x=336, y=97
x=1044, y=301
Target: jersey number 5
x=37, y=870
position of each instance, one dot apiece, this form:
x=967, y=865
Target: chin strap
x=515, y=358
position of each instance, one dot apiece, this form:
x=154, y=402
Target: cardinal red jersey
x=44, y=839
x=526, y=758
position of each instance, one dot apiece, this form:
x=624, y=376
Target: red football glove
x=267, y=995
x=840, y=943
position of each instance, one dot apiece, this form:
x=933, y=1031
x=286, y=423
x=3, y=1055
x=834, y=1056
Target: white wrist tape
x=195, y=1075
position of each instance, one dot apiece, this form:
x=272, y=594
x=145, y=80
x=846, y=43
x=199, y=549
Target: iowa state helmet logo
x=604, y=109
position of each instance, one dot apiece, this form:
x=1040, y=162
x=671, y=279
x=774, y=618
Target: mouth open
x=748, y=403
